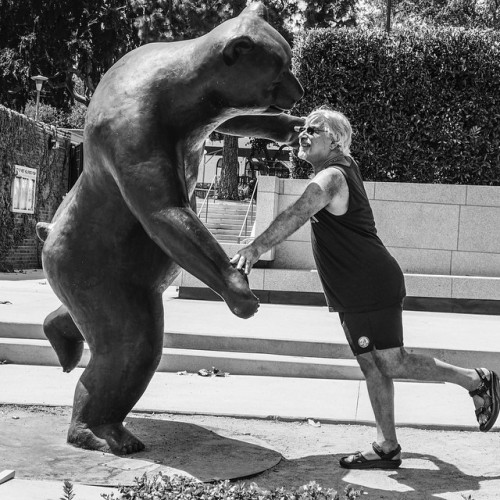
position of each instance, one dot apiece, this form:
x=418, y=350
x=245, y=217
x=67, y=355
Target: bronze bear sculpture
x=118, y=238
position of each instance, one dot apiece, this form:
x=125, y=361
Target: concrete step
x=294, y=345
x=223, y=226
x=224, y=218
x=221, y=210
x=226, y=232
x=284, y=332
x=224, y=202
x=218, y=204
x=230, y=238
x=230, y=224
x=246, y=355
x=40, y=352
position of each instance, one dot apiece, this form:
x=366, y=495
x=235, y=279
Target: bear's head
x=253, y=65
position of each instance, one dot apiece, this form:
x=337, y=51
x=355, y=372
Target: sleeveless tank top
x=356, y=270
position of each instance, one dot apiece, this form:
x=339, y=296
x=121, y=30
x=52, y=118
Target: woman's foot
x=486, y=398
x=373, y=459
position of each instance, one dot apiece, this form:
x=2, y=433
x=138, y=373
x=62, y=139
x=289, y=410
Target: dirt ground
x=437, y=464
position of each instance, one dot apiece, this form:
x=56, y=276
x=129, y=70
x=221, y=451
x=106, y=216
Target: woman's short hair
x=338, y=126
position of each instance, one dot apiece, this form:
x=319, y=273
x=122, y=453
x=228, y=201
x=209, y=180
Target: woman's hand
x=246, y=258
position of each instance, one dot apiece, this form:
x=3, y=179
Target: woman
x=363, y=283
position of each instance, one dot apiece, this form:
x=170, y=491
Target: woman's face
x=315, y=141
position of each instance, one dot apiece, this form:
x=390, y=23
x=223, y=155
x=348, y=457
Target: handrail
x=206, y=198
x=205, y=161
x=250, y=205
x=213, y=153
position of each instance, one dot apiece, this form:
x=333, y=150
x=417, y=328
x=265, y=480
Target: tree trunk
x=228, y=185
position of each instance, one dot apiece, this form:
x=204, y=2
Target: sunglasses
x=309, y=130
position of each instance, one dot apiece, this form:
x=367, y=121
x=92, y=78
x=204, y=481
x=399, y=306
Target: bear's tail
x=43, y=230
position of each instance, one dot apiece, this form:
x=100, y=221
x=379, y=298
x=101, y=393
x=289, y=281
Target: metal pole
x=39, y=79
x=37, y=104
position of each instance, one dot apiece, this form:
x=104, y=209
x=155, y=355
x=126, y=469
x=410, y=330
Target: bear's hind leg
x=125, y=337
x=65, y=338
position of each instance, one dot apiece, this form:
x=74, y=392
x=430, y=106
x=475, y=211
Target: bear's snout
x=290, y=92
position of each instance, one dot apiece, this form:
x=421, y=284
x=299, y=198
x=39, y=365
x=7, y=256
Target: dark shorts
x=370, y=330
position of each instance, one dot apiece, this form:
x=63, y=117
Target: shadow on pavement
x=420, y=477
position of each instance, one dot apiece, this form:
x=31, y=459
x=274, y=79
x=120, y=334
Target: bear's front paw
x=246, y=308
x=238, y=296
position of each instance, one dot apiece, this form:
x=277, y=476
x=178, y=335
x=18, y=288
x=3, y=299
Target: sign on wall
x=24, y=189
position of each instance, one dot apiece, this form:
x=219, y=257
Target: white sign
x=24, y=189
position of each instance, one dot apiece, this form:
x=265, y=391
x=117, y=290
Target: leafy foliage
x=73, y=118
x=182, y=19
x=59, y=39
x=424, y=105
x=161, y=487
x=169, y=20
x=321, y=14
x=12, y=231
x=456, y=13
x=24, y=142
x=300, y=169
x=68, y=493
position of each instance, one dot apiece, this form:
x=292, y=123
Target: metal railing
x=250, y=211
x=205, y=200
x=207, y=157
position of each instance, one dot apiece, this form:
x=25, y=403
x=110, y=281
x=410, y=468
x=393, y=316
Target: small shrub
x=68, y=491
x=161, y=487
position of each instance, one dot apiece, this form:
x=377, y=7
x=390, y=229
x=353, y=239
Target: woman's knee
x=391, y=362
x=367, y=364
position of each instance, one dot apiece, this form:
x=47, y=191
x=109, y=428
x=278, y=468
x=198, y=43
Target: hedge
x=424, y=105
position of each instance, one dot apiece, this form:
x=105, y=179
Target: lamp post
x=39, y=84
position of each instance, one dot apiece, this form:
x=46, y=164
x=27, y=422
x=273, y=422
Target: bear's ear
x=257, y=8
x=235, y=47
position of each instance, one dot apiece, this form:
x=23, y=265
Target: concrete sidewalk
x=31, y=299
x=473, y=336
x=28, y=299
x=424, y=406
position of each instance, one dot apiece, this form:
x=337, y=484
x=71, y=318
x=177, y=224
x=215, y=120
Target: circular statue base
x=33, y=443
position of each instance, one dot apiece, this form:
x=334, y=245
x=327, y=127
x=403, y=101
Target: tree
x=60, y=39
x=470, y=14
x=228, y=185
x=459, y=13
x=170, y=20
x=322, y=14
x=91, y=36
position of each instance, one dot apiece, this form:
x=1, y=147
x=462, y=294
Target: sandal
x=489, y=391
x=386, y=461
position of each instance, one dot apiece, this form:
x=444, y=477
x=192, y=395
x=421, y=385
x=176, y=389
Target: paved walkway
x=438, y=406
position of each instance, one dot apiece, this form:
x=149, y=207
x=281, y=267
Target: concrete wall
x=430, y=228
x=445, y=237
